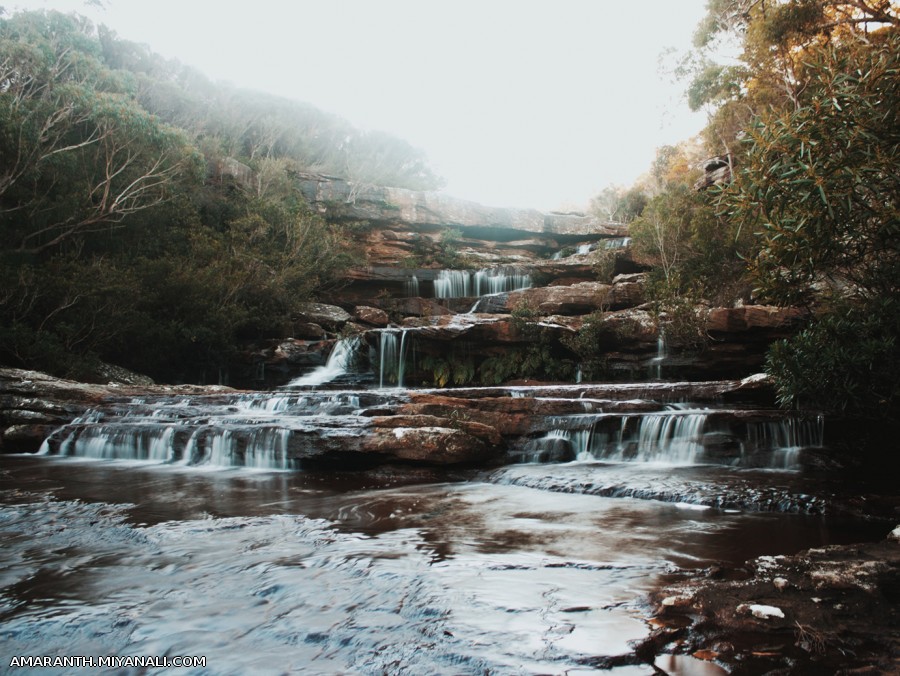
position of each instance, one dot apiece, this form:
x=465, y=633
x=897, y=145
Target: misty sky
x=515, y=102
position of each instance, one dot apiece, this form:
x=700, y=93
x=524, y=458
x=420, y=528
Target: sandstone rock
x=371, y=315
x=457, y=419
x=751, y=318
x=432, y=445
x=329, y=316
x=308, y=331
x=580, y=298
x=302, y=353
x=339, y=199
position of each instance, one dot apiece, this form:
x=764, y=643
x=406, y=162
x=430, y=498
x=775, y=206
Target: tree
x=773, y=37
x=820, y=184
x=820, y=188
x=81, y=155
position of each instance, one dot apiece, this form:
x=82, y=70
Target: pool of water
x=405, y=572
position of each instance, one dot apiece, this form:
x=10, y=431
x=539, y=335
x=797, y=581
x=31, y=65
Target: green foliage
x=455, y=368
x=820, y=185
x=693, y=249
x=123, y=239
x=848, y=362
x=532, y=362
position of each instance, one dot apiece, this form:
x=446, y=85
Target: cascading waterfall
x=412, y=286
x=584, y=249
x=656, y=363
x=466, y=284
x=684, y=437
x=498, y=280
x=452, y=284
x=617, y=243
x=338, y=363
x=393, y=345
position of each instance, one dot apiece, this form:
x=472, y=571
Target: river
x=525, y=569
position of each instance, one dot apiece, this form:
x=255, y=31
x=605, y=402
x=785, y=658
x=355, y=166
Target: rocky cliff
x=456, y=281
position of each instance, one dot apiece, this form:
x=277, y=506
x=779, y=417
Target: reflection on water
x=282, y=572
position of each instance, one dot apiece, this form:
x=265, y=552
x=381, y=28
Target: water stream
x=269, y=573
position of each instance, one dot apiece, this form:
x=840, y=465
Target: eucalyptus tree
x=80, y=154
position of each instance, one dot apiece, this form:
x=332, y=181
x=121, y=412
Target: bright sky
x=527, y=103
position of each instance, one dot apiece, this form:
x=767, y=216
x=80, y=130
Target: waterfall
x=267, y=448
x=412, y=286
x=656, y=363
x=465, y=284
x=498, y=280
x=584, y=249
x=617, y=243
x=113, y=442
x=452, y=284
x=338, y=363
x=680, y=436
x=393, y=346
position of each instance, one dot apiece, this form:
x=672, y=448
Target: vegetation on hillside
x=151, y=218
x=807, y=123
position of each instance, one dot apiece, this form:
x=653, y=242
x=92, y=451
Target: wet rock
x=431, y=445
x=580, y=298
x=457, y=419
x=371, y=315
x=752, y=318
x=827, y=610
x=330, y=317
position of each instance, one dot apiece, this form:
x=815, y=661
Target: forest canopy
x=150, y=217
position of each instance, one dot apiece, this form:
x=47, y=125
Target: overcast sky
x=515, y=102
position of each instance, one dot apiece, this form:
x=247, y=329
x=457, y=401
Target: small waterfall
x=412, y=286
x=219, y=448
x=393, y=346
x=452, y=284
x=656, y=363
x=786, y=437
x=338, y=363
x=267, y=448
x=617, y=243
x=111, y=442
x=584, y=249
x=498, y=280
x=487, y=281
x=680, y=436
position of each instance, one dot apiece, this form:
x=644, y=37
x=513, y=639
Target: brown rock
x=329, y=316
x=457, y=419
x=371, y=315
x=574, y=299
x=750, y=318
x=433, y=445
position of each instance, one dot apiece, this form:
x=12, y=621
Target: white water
x=393, y=345
x=339, y=361
x=467, y=284
x=681, y=437
x=412, y=286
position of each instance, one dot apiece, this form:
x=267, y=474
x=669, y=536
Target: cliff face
x=461, y=284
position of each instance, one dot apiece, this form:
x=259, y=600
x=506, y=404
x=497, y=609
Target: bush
x=848, y=362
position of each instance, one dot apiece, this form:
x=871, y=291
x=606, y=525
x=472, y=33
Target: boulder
x=330, y=317
x=372, y=316
x=575, y=299
x=754, y=318
x=430, y=445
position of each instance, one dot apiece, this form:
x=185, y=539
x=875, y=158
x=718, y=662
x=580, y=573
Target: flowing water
x=187, y=526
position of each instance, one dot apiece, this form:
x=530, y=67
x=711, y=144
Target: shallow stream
x=521, y=570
